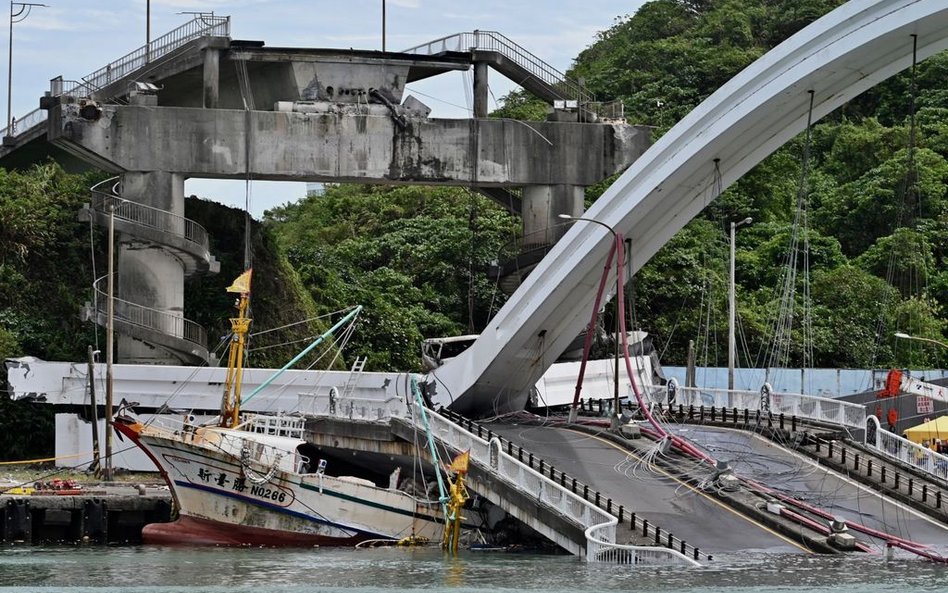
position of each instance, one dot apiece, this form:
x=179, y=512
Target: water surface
x=193, y=570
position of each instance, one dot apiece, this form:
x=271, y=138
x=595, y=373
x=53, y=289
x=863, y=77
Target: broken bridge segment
x=227, y=108
x=346, y=146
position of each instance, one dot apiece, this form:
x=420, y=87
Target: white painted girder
x=838, y=57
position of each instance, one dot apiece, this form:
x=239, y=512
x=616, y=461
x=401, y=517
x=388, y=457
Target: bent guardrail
x=598, y=517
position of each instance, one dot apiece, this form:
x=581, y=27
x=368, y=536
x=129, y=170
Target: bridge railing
x=821, y=409
x=370, y=409
x=198, y=27
x=494, y=41
x=896, y=447
x=599, y=525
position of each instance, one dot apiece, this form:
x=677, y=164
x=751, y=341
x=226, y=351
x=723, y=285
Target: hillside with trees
x=873, y=199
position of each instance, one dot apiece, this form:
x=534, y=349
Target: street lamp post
x=109, y=340
x=18, y=13
x=618, y=304
x=905, y=336
x=109, y=333
x=732, y=311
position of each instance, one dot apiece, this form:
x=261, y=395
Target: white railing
x=599, y=526
x=24, y=123
x=279, y=425
x=494, y=41
x=153, y=319
x=896, y=447
x=104, y=197
x=200, y=26
x=822, y=409
x=370, y=409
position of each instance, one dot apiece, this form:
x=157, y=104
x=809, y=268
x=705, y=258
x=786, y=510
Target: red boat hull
x=190, y=531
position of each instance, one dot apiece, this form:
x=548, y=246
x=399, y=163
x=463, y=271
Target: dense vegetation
x=415, y=257
x=874, y=197
x=876, y=217
x=48, y=260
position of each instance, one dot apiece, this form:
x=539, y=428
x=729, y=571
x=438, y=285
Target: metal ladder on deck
x=354, y=373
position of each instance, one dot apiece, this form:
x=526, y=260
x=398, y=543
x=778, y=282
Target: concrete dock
x=105, y=514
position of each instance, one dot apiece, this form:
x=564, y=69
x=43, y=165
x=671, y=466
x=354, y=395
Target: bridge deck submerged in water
x=669, y=497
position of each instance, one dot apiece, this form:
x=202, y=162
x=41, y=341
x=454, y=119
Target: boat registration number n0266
x=274, y=494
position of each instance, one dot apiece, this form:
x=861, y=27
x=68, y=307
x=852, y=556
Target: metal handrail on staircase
x=494, y=41
x=150, y=319
x=105, y=196
x=200, y=26
x=106, y=201
x=196, y=28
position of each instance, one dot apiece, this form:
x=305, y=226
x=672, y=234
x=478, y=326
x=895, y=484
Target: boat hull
x=204, y=532
x=234, y=500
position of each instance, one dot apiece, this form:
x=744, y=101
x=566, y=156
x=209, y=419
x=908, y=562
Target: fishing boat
x=245, y=480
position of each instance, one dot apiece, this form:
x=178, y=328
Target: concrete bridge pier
x=146, y=272
x=480, y=90
x=542, y=205
x=212, y=74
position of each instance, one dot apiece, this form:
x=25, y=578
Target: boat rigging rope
x=435, y=460
x=778, y=355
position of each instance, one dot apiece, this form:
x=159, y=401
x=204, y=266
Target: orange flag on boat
x=460, y=462
x=242, y=283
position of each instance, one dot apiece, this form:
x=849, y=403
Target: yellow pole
x=240, y=326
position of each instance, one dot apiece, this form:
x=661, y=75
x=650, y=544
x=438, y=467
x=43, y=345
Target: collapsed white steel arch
x=837, y=57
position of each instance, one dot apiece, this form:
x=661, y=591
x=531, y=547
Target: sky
x=73, y=38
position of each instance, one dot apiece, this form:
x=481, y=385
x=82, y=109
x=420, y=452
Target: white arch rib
x=837, y=57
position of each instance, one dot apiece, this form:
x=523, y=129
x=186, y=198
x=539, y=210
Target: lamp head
x=902, y=335
x=564, y=216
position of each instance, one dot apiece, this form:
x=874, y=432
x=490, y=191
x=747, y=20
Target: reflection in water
x=249, y=569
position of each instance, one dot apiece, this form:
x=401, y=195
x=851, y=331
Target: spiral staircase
x=180, y=238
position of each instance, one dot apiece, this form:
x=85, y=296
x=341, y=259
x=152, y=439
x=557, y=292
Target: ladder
x=354, y=375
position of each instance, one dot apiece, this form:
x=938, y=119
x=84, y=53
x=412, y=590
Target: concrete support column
x=480, y=89
x=148, y=274
x=212, y=69
x=542, y=204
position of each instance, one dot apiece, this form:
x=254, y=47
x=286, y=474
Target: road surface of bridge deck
x=698, y=517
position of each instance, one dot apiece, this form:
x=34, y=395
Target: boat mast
x=240, y=325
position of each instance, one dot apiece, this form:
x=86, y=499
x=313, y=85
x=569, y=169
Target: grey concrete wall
x=330, y=147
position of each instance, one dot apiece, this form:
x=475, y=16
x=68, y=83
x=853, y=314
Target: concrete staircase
x=108, y=83
x=512, y=61
x=183, y=239
x=521, y=66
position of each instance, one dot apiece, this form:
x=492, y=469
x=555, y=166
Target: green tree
x=414, y=257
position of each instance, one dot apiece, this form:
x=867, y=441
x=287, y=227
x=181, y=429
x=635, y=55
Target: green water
x=194, y=570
